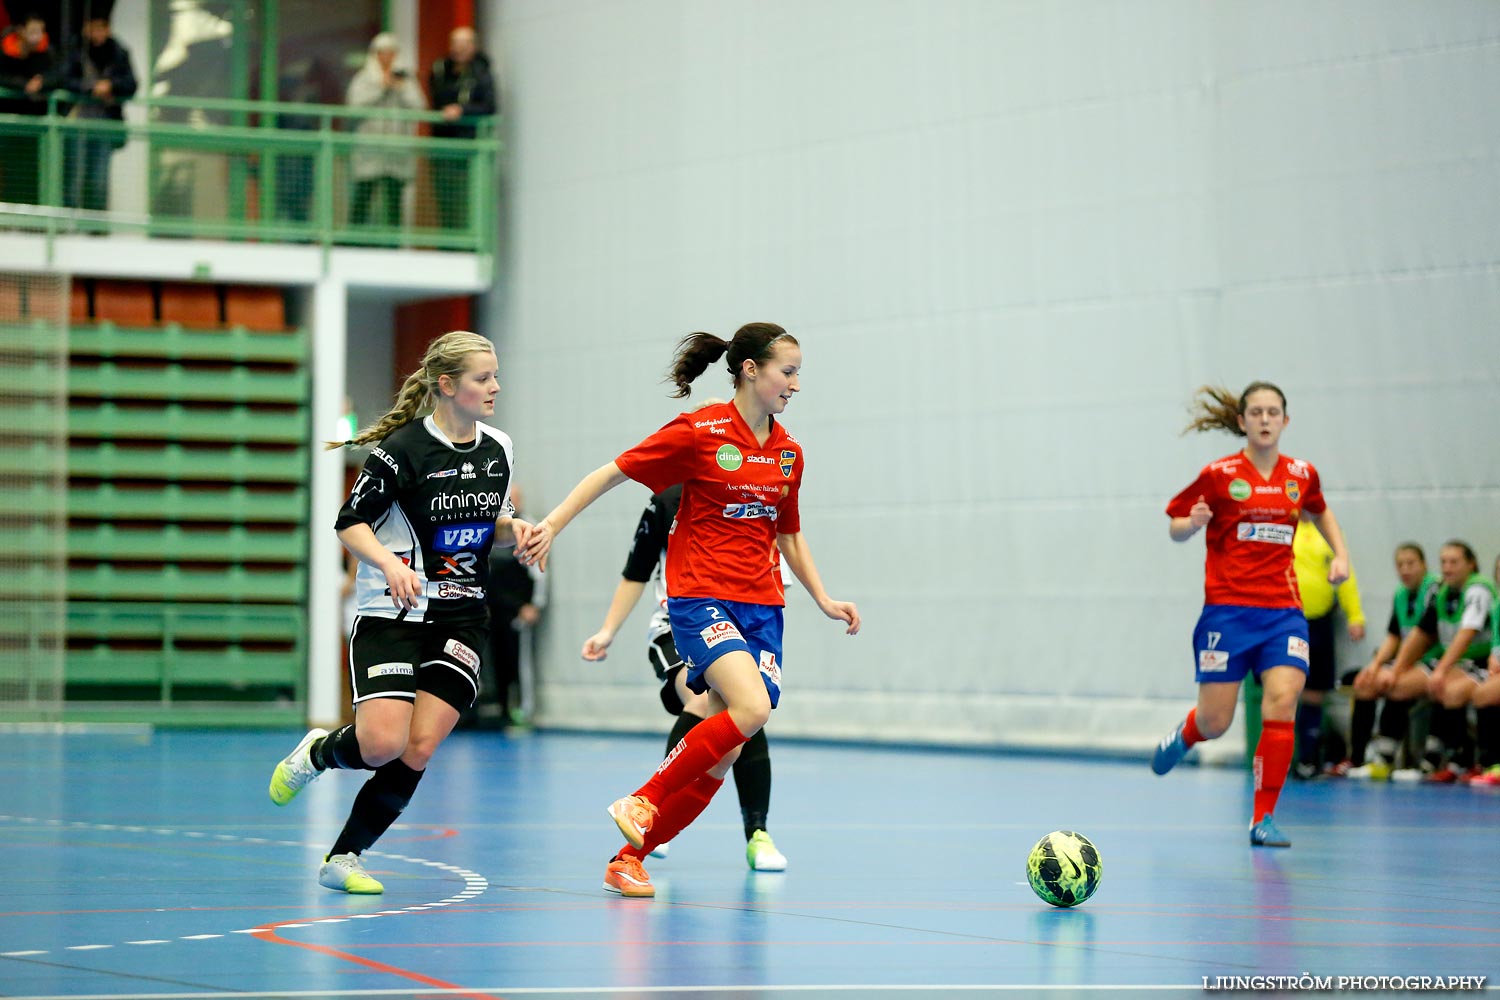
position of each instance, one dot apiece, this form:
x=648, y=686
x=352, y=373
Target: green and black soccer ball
x=1064, y=868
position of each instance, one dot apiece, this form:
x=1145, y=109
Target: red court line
x=267, y=932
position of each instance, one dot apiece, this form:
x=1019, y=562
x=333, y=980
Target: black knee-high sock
x=1418, y=732
x=752, y=779
x=1309, y=732
x=339, y=749
x=1395, y=718
x=376, y=806
x=1448, y=725
x=685, y=722
x=1361, y=725
x=1487, y=735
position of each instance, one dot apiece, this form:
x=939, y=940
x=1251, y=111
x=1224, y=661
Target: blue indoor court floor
x=144, y=864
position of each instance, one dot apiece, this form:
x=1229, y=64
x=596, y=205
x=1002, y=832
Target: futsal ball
x=1064, y=868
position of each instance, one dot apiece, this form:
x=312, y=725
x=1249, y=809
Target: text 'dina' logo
x=729, y=458
x=1239, y=490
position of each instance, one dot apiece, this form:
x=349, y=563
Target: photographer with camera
x=383, y=83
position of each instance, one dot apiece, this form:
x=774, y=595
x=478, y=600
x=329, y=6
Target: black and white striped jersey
x=434, y=504
x=649, y=550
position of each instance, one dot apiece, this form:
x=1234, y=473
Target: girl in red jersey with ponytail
x=741, y=474
x=1252, y=620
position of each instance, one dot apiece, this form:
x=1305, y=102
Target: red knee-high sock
x=677, y=812
x=691, y=758
x=1190, y=733
x=1273, y=757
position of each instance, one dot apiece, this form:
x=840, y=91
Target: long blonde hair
x=447, y=355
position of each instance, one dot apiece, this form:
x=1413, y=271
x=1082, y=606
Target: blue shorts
x=1232, y=641
x=705, y=629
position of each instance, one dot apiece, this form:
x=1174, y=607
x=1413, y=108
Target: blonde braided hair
x=447, y=355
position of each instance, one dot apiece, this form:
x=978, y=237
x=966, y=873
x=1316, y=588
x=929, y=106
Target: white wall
x=1012, y=237
x=371, y=358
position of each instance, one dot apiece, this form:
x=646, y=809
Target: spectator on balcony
x=26, y=70
x=311, y=82
x=463, y=88
x=100, y=71
x=383, y=83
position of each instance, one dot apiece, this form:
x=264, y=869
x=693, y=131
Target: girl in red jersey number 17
x=1252, y=619
x=741, y=472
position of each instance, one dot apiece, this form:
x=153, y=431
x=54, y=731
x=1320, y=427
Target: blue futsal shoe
x=1169, y=751
x=1267, y=834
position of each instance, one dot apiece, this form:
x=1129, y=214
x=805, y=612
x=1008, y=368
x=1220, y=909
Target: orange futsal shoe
x=627, y=877
x=634, y=816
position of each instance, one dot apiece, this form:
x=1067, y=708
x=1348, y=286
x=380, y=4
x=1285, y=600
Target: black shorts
x=662, y=652
x=395, y=659
x=1477, y=669
x=1321, y=639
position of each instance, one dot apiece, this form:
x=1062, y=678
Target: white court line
x=474, y=884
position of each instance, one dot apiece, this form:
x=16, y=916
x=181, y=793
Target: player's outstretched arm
x=596, y=646
x=590, y=488
x=1328, y=525
x=511, y=531
x=794, y=550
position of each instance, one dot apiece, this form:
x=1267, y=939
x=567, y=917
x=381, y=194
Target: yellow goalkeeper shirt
x=1311, y=556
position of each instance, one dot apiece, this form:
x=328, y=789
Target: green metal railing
x=253, y=170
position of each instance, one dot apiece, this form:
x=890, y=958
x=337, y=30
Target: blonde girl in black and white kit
x=420, y=518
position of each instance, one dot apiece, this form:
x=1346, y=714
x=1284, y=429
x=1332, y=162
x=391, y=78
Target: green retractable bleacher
x=187, y=503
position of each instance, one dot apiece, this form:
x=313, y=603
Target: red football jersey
x=1250, y=537
x=737, y=496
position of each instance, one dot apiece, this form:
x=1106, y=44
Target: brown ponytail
x=1215, y=408
x=447, y=355
x=696, y=351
